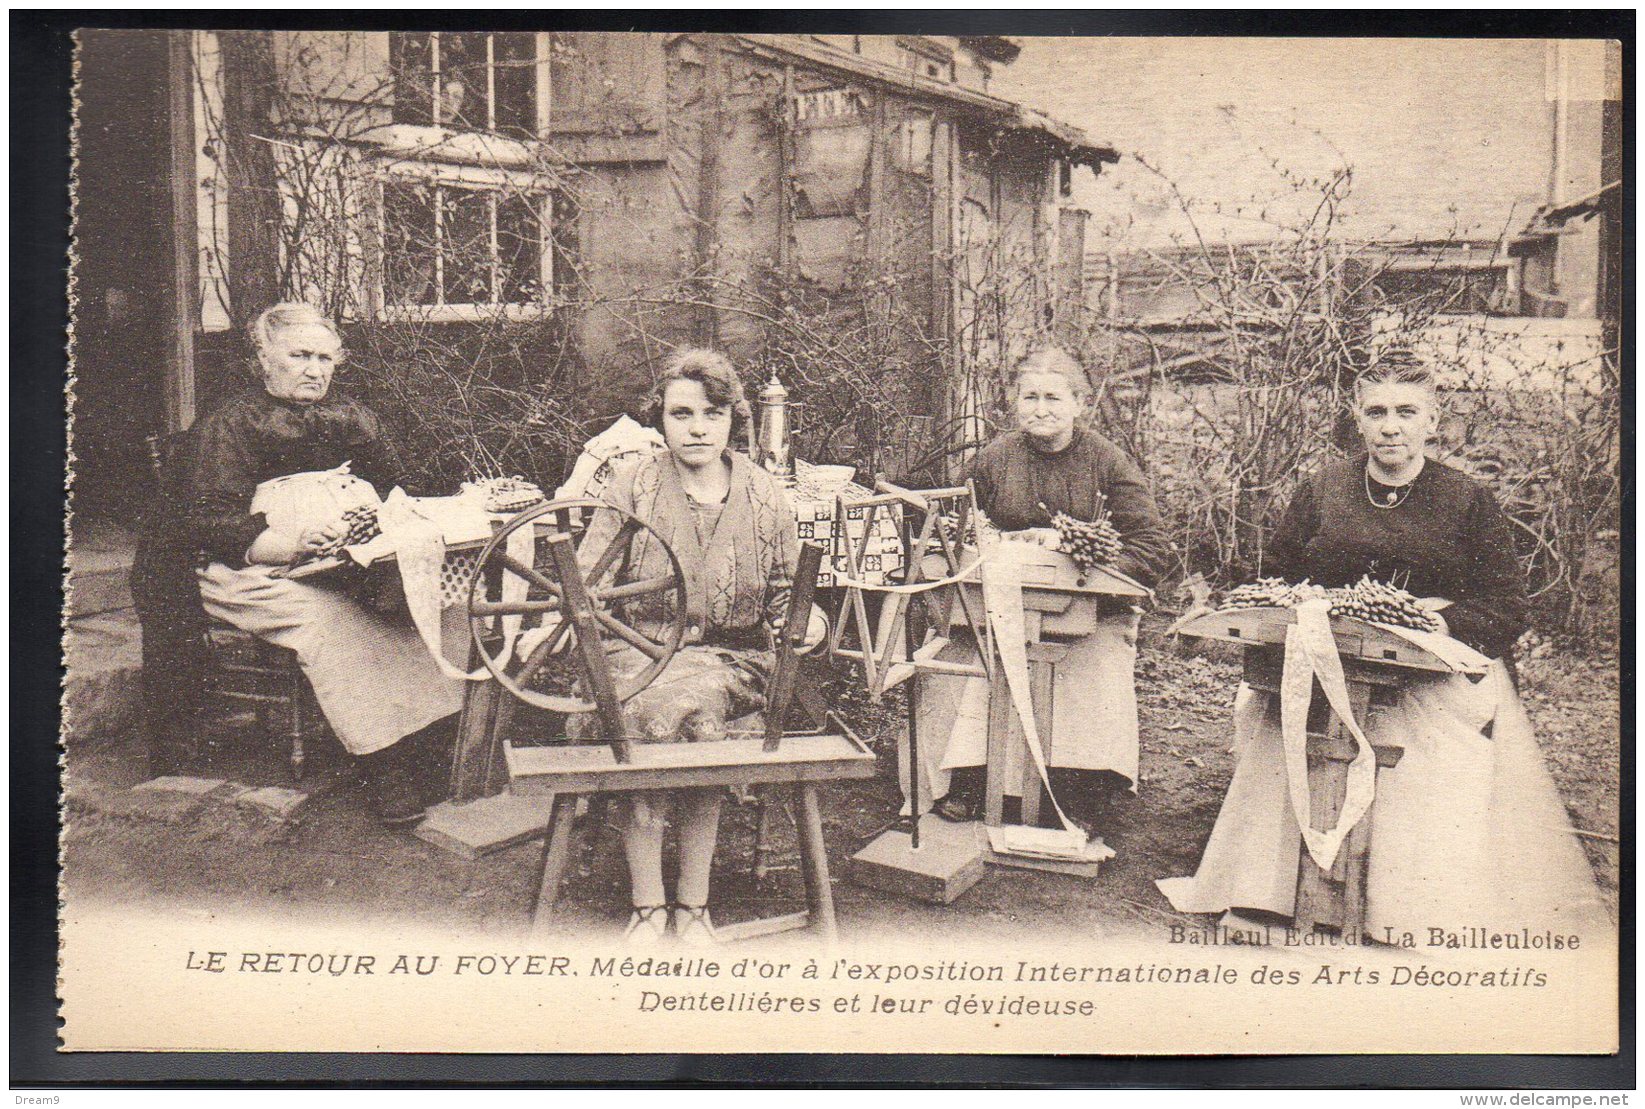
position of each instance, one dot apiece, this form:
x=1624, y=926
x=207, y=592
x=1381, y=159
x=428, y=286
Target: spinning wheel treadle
x=558, y=575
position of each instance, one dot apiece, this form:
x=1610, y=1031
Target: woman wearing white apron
x=1468, y=829
x=262, y=489
x=1051, y=465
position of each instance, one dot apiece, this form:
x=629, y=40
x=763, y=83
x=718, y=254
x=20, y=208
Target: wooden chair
x=245, y=669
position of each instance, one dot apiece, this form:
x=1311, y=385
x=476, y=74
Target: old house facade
x=515, y=228
x=1473, y=172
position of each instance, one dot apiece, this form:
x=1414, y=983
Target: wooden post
x=1337, y=897
x=819, y=894
x=580, y=611
x=1042, y=679
x=945, y=283
x=1004, y=730
x=789, y=642
x=910, y=575
x=178, y=401
x=879, y=216
x=477, y=738
x=785, y=176
x=562, y=832
x=708, y=192
x=476, y=770
x=254, y=217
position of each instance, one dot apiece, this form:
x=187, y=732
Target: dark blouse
x=255, y=437
x=1014, y=478
x=1448, y=538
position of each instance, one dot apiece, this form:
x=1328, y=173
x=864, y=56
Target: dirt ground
x=333, y=858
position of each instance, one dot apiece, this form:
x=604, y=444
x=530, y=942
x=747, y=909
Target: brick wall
x=1446, y=137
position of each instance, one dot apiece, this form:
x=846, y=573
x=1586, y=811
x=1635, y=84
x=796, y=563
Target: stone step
x=100, y=558
x=95, y=591
x=104, y=655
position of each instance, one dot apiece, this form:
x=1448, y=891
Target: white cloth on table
x=375, y=681
x=1468, y=829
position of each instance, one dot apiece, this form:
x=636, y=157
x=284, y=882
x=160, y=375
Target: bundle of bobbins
x=508, y=494
x=1273, y=593
x=1367, y=599
x=362, y=527
x=1090, y=545
x=1381, y=603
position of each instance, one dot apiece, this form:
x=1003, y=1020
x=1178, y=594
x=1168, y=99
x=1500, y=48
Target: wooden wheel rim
x=479, y=623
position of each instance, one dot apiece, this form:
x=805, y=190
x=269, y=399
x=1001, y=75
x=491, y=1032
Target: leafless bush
x=1237, y=385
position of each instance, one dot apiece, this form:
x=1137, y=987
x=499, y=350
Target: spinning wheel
x=565, y=589
x=578, y=591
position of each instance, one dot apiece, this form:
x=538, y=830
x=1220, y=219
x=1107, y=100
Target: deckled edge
x=75, y=79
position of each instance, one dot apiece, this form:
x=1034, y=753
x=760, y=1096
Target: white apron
x=1093, y=709
x=375, y=681
x=1468, y=829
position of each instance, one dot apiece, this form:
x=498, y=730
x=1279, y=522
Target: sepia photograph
x=716, y=541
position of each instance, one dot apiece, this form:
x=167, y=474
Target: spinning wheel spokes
x=514, y=608
x=529, y=573
x=541, y=653
x=649, y=647
x=498, y=617
x=641, y=588
x=618, y=547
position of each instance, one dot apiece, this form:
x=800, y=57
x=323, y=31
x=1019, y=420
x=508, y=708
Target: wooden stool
x=802, y=763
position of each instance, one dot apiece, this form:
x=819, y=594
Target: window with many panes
x=456, y=245
x=466, y=80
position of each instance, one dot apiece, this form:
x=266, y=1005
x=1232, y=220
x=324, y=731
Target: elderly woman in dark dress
x=1049, y=465
x=733, y=530
x=1468, y=829
x=282, y=442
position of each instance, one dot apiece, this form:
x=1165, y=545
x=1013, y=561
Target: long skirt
x=375, y=680
x=1468, y=829
x=1093, y=709
x=703, y=693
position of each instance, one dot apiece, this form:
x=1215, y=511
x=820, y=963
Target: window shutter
x=608, y=82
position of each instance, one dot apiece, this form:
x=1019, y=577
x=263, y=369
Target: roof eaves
x=1551, y=219
x=1069, y=141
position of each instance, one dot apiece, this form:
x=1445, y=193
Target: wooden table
x=1061, y=603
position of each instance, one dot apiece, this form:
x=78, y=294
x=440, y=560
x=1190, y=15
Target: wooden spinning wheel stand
x=891, y=651
x=581, y=600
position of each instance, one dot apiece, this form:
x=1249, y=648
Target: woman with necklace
x=1402, y=517
x=1468, y=829
x=733, y=530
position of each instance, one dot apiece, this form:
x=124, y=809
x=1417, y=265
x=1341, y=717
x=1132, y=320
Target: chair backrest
x=162, y=447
